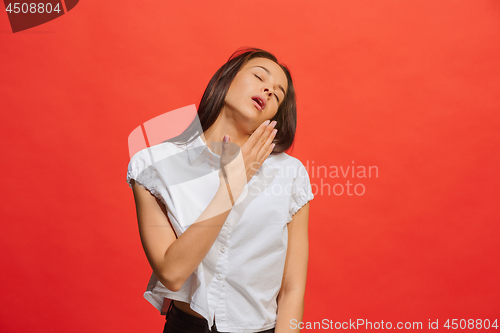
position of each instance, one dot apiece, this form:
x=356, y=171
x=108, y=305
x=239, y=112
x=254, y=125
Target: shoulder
x=295, y=173
x=146, y=157
x=153, y=154
x=286, y=163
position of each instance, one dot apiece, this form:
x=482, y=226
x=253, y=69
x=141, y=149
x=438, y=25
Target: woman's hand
x=237, y=165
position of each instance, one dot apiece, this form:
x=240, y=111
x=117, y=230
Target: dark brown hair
x=213, y=98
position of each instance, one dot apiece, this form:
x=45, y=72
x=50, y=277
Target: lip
x=263, y=101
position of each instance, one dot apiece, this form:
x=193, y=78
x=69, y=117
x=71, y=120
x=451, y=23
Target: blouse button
x=222, y=249
x=218, y=276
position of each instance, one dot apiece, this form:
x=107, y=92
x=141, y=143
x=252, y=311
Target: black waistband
x=201, y=322
x=186, y=316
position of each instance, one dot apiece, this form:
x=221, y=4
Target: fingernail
x=225, y=138
x=266, y=122
x=272, y=146
x=273, y=123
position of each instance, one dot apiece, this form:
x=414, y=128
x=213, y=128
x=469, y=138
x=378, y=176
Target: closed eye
x=263, y=81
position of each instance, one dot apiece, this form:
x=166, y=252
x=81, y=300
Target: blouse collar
x=196, y=148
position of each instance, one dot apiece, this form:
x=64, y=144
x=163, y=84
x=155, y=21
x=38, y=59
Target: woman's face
x=257, y=91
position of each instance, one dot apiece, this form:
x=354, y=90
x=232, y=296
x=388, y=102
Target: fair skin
x=174, y=259
x=293, y=285
x=239, y=117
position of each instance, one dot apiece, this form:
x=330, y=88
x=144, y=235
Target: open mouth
x=259, y=102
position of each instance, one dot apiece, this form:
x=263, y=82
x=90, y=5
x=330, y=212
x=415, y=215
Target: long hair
x=213, y=98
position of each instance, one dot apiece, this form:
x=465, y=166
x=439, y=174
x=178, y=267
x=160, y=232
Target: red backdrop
x=408, y=87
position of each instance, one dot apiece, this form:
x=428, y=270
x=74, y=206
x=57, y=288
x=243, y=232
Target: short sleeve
x=301, y=190
x=144, y=173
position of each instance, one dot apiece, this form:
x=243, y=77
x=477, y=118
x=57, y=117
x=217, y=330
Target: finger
x=229, y=152
x=263, y=138
x=253, y=139
x=268, y=152
x=224, y=158
x=267, y=144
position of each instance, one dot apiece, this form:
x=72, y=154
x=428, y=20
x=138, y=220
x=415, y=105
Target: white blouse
x=239, y=279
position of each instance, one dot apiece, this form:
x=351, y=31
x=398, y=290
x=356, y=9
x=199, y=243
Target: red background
x=411, y=87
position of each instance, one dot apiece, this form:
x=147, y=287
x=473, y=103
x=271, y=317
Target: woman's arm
x=293, y=286
x=174, y=260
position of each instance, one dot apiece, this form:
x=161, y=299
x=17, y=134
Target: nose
x=269, y=91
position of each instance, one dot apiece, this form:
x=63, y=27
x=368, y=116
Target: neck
x=225, y=126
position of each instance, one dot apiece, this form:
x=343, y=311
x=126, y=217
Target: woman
x=223, y=211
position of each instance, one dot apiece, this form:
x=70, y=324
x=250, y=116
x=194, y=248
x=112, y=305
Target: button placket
x=222, y=264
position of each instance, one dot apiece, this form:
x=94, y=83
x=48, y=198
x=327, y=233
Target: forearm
x=290, y=311
x=185, y=254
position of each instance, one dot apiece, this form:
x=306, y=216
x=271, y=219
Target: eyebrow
x=268, y=72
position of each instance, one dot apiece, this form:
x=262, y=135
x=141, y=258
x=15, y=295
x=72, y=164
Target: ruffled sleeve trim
x=130, y=176
x=149, y=180
x=299, y=200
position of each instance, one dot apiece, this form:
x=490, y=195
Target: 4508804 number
x=470, y=324
x=32, y=8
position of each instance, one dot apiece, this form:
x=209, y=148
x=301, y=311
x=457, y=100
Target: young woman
x=223, y=210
